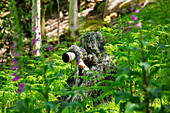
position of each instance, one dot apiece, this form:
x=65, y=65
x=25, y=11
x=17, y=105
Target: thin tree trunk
x=58, y=22
x=73, y=18
x=38, y=30
x=43, y=33
x=105, y=9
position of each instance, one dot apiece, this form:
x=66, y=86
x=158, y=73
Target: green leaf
x=51, y=80
x=129, y=108
x=154, y=92
x=101, y=111
x=117, y=99
x=122, y=70
x=81, y=92
x=52, y=105
x=122, y=107
x=51, y=66
x=73, y=104
x=122, y=77
x=41, y=90
x=135, y=99
x=145, y=65
x=60, y=75
x=120, y=95
x=161, y=46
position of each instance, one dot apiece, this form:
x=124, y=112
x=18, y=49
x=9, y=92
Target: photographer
x=91, y=59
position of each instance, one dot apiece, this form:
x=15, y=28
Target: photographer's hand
x=81, y=65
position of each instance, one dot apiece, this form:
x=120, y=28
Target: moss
x=101, y=7
x=92, y=22
x=92, y=25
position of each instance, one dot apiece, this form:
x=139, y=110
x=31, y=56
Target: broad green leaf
x=52, y=105
x=154, y=92
x=122, y=77
x=51, y=66
x=145, y=65
x=60, y=75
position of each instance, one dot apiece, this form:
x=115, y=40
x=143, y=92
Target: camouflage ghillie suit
x=91, y=50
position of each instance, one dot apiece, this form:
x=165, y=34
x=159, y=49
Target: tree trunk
x=43, y=33
x=73, y=19
x=58, y=22
x=38, y=30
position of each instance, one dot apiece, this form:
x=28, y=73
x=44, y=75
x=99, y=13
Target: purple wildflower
x=13, y=59
x=31, y=17
x=138, y=25
x=139, y=4
x=134, y=19
x=83, y=51
x=15, y=54
x=16, y=78
x=36, y=27
x=32, y=43
x=131, y=9
x=33, y=21
x=14, y=67
x=49, y=49
x=35, y=34
x=21, y=86
x=32, y=26
x=19, y=90
x=33, y=39
x=133, y=16
x=131, y=23
x=136, y=11
x=132, y=5
x=78, y=58
x=14, y=45
x=78, y=62
x=33, y=30
x=39, y=33
x=15, y=62
x=34, y=51
x=13, y=74
x=36, y=39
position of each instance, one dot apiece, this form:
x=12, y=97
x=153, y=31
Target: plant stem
x=144, y=75
x=3, y=103
x=131, y=92
x=46, y=84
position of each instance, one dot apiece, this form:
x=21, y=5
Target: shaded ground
x=51, y=24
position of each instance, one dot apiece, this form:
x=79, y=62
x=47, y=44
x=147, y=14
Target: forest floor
x=51, y=25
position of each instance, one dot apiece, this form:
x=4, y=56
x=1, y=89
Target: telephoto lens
x=69, y=56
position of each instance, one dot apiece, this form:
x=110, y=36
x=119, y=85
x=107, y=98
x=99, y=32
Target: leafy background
x=45, y=76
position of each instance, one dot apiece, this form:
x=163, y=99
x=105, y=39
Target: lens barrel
x=69, y=56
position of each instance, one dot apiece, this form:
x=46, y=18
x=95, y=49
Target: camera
x=68, y=56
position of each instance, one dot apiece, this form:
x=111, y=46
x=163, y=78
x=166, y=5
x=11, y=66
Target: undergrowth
x=140, y=76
